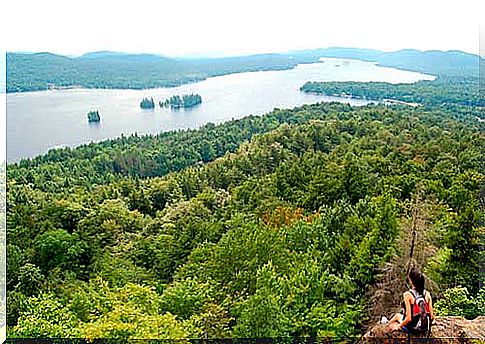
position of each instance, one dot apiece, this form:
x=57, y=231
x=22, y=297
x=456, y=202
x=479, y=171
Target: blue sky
x=238, y=27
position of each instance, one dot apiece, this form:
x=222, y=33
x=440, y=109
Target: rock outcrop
x=449, y=329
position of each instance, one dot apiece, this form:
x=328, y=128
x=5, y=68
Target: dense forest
x=440, y=92
x=269, y=226
x=41, y=71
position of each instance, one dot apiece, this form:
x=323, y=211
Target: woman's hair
x=417, y=278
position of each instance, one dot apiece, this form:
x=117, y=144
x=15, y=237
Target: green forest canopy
x=440, y=92
x=261, y=227
x=41, y=71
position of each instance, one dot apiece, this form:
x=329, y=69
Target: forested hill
x=440, y=92
x=31, y=72
x=295, y=223
x=277, y=226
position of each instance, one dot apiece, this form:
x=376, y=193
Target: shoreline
x=80, y=87
x=350, y=96
x=274, y=69
x=92, y=92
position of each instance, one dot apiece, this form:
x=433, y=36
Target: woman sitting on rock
x=418, y=313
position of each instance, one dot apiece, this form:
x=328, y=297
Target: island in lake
x=185, y=101
x=93, y=116
x=147, y=103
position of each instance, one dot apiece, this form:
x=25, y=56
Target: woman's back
x=418, y=306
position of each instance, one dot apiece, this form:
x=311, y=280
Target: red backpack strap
x=414, y=306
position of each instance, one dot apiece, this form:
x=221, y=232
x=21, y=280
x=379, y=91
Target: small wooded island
x=147, y=103
x=93, y=116
x=185, y=101
x=175, y=102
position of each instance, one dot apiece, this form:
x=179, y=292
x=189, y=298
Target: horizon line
x=221, y=54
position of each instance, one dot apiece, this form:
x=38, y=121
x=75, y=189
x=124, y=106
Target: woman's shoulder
x=407, y=294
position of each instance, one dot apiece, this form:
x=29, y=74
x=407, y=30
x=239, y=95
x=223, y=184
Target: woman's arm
x=430, y=303
x=407, y=302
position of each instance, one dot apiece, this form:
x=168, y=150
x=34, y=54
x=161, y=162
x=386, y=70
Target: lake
x=39, y=121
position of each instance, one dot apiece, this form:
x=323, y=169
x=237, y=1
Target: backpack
x=420, y=313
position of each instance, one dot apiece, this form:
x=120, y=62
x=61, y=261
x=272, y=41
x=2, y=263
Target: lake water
x=39, y=121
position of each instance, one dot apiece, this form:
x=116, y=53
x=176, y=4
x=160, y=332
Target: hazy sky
x=238, y=26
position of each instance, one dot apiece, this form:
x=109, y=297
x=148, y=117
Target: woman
x=406, y=321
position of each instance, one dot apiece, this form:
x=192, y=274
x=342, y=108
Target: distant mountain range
x=107, y=69
x=436, y=62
